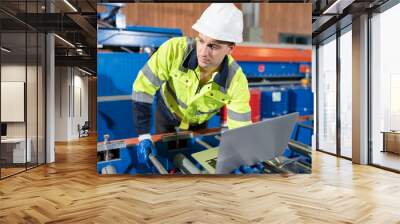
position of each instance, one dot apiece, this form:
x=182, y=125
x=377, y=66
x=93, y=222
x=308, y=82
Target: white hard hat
x=221, y=21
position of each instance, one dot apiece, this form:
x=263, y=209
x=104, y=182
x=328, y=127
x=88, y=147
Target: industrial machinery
x=276, y=77
x=282, y=74
x=301, y=136
x=271, y=63
x=175, y=155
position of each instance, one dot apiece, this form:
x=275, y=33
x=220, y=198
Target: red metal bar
x=158, y=137
x=263, y=54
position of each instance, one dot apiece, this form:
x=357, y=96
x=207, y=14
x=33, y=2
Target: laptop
x=248, y=145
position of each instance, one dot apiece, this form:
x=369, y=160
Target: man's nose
x=204, y=51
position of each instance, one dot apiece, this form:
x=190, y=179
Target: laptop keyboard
x=212, y=162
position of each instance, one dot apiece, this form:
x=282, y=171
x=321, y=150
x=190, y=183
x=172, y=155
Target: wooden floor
x=5, y=172
x=386, y=159
x=10, y=171
x=70, y=191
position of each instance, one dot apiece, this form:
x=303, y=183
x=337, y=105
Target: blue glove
x=237, y=171
x=245, y=169
x=143, y=149
x=260, y=167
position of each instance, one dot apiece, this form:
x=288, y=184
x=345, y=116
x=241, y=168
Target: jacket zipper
x=198, y=84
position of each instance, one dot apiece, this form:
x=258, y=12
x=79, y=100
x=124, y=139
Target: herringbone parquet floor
x=70, y=191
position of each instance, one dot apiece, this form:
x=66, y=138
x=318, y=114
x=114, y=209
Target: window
x=385, y=87
x=346, y=93
x=327, y=96
x=288, y=38
x=22, y=86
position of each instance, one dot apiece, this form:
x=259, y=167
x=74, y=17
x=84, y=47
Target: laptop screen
x=254, y=143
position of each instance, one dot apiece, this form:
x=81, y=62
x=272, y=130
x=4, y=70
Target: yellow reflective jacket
x=174, y=68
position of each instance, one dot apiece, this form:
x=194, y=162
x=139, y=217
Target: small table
x=391, y=141
x=13, y=150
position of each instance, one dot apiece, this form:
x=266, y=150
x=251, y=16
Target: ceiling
x=332, y=15
x=21, y=22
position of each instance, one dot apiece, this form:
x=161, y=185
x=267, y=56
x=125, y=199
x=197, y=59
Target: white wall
x=70, y=84
x=34, y=124
x=80, y=102
x=16, y=73
x=61, y=103
x=13, y=73
x=12, y=101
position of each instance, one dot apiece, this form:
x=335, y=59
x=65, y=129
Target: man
x=193, y=79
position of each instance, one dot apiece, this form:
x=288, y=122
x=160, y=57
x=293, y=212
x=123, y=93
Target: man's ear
x=231, y=47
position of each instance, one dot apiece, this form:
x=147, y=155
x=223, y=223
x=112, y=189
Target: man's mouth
x=204, y=61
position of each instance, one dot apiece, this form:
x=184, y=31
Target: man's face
x=211, y=52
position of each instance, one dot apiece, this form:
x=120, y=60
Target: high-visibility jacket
x=174, y=68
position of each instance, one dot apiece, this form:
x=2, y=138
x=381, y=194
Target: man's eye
x=210, y=46
x=214, y=47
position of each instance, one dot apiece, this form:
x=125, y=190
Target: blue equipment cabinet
x=274, y=102
x=301, y=99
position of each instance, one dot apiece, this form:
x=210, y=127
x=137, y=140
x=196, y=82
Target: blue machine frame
x=126, y=161
x=117, y=72
x=273, y=70
x=135, y=36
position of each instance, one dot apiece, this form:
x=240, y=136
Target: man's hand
x=144, y=148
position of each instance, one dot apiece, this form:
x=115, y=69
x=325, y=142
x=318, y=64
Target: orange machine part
x=265, y=54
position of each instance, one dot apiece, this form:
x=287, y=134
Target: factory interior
x=322, y=80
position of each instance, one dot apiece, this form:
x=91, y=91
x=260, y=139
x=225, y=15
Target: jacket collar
x=191, y=62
